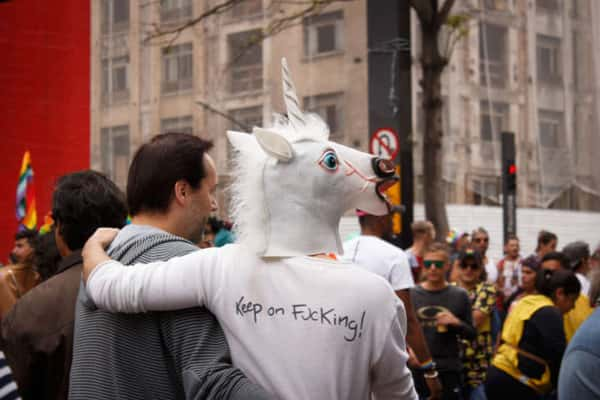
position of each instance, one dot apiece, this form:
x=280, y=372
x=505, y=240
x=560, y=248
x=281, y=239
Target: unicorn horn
x=292, y=105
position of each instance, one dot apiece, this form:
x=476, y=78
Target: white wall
x=568, y=225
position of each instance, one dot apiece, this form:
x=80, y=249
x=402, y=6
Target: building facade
x=524, y=66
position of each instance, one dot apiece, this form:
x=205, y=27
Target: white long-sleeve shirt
x=303, y=328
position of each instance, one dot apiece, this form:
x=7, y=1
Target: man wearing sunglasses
x=480, y=241
x=444, y=312
x=477, y=353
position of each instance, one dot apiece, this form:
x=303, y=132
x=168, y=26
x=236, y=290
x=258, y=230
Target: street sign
x=385, y=143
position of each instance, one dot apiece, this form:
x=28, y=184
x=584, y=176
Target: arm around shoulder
x=158, y=286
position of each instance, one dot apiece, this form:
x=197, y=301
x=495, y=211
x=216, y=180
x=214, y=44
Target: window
x=115, y=15
x=183, y=124
x=245, y=57
x=174, y=10
x=492, y=55
x=177, y=72
x=548, y=59
x=547, y=5
x=493, y=121
x=248, y=118
x=246, y=9
x=329, y=107
x=550, y=128
x=580, y=8
x=114, y=146
x=323, y=33
x=115, y=80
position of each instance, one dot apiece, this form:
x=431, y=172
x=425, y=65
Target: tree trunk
x=433, y=189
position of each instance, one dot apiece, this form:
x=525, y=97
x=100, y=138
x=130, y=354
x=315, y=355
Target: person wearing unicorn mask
x=299, y=322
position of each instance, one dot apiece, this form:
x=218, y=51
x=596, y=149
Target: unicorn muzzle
x=382, y=167
x=385, y=170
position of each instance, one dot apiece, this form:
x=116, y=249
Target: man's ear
x=181, y=189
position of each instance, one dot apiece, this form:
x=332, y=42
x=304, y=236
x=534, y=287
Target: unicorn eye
x=329, y=161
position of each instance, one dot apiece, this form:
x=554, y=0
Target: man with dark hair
x=546, y=242
x=579, y=254
x=38, y=332
x=477, y=353
x=509, y=268
x=573, y=319
x=19, y=278
x=374, y=254
x=480, y=240
x=159, y=355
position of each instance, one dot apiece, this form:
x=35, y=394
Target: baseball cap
x=470, y=253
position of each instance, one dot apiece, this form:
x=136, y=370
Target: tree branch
x=423, y=10
x=224, y=115
x=218, y=9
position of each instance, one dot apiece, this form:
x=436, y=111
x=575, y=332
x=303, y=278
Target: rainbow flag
x=48, y=222
x=26, y=214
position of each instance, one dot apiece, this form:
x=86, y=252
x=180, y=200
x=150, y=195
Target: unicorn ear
x=274, y=144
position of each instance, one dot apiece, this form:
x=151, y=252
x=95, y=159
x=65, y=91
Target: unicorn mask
x=293, y=185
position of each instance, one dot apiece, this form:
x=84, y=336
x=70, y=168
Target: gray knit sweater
x=159, y=355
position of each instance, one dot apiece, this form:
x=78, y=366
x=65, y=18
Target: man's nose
x=382, y=167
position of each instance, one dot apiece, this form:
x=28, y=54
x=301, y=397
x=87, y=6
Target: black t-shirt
x=444, y=346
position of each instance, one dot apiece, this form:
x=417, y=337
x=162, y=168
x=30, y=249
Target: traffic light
x=511, y=176
x=509, y=184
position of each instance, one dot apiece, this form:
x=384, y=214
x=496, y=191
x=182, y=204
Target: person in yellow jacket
x=527, y=362
x=581, y=311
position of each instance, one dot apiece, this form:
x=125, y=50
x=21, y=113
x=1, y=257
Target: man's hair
x=556, y=256
x=511, y=237
x=159, y=164
x=576, y=253
x=420, y=228
x=547, y=281
x=83, y=202
x=544, y=238
x=437, y=247
x=30, y=234
x=480, y=230
x=46, y=256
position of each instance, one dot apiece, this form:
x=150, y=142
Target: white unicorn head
x=292, y=185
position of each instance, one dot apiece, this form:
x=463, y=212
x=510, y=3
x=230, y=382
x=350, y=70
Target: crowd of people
x=494, y=329
x=474, y=328
x=146, y=295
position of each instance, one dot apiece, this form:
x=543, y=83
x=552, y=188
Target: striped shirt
x=8, y=387
x=159, y=355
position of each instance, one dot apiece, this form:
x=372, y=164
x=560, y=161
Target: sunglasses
x=435, y=263
x=469, y=265
x=481, y=240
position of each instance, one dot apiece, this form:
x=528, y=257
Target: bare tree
x=440, y=31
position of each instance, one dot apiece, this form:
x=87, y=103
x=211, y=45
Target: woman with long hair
x=533, y=340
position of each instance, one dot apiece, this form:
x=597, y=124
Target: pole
x=389, y=72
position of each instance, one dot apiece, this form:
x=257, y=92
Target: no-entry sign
x=385, y=143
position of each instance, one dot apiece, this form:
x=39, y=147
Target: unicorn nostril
x=383, y=168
